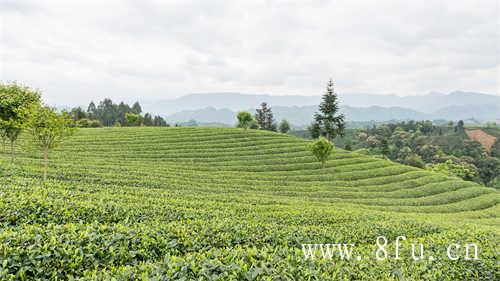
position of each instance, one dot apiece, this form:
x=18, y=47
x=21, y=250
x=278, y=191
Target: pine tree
x=265, y=118
x=328, y=117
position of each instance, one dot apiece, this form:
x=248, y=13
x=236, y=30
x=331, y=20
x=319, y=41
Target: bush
x=88, y=123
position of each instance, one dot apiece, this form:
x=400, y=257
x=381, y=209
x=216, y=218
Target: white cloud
x=75, y=51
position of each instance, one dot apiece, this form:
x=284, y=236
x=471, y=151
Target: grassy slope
x=227, y=202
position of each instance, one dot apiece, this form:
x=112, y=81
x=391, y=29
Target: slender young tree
x=47, y=130
x=13, y=99
x=330, y=121
x=321, y=149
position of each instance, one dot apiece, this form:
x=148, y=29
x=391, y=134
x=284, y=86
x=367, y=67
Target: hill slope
x=228, y=203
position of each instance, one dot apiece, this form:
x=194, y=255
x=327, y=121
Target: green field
x=209, y=203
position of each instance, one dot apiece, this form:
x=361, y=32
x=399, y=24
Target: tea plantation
x=228, y=204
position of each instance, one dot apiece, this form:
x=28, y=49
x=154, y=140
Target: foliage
x=322, y=149
x=245, y=119
x=110, y=114
x=13, y=99
x=193, y=203
x=414, y=160
x=420, y=143
x=132, y=119
x=284, y=126
x=328, y=119
x=88, y=123
x=265, y=118
x=463, y=171
x=488, y=169
x=314, y=130
x=46, y=129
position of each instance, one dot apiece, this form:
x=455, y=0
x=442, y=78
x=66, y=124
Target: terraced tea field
x=209, y=203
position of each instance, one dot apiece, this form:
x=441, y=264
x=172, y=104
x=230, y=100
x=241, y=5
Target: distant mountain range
x=222, y=107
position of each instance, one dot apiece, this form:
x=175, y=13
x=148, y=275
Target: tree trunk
x=45, y=163
x=12, y=151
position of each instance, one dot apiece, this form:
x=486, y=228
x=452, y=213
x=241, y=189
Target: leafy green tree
x=328, y=118
x=284, y=126
x=472, y=149
x=133, y=119
x=461, y=170
x=147, y=120
x=321, y=149
x=495, y=149
x=414, y=160
x=159, y=121
x=384, y=147
x=314, y=130
x=136, y=108
x=47, y=130
x=122, y=109
x=244, y=119
x=14, y=98
x=78, y=113
x=265, y=118
x=489, y=169
x=92, y=110
x=429, y=152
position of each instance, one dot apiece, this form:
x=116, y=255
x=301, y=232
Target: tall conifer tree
x=329, y=120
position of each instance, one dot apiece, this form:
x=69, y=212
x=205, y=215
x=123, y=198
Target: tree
x=321, y=149
x=92, y=110
x=488, y=169
x=429, y=152
x=460, y=126
x=414, y=160
x=147, y=120
x=136, y=108
x=78, y=113
x=47, y=130
x=328, y=119
x=348, y=145
x=244, y=119
x=314, y=130
x=495, y=149
x=284, y=126
x=88, y=123
x=159, y=121
x=461, y=170
x=14, y=98
x=265, y=118
x=133, y=119
x=384, y=147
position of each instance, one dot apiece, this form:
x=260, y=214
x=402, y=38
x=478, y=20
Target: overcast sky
x=74, y=51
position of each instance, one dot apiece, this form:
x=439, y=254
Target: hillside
x=226, y=203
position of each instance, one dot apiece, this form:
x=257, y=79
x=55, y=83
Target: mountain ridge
x=237, y=101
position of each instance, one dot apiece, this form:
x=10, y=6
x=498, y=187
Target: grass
x=214, y=203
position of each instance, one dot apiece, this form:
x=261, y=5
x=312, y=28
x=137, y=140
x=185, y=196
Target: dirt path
x=481, y=137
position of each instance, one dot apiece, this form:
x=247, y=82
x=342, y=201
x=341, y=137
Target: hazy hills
x=222, y=107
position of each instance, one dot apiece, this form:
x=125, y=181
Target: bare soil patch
x=481, y=137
